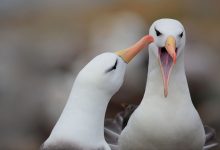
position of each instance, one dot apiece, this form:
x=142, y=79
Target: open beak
x=129, y=53
x=167, y=59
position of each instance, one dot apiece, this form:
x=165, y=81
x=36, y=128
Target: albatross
x=81, y=124
x=166, y=118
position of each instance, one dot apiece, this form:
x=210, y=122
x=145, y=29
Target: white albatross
x=166, y=118
x=81, y=124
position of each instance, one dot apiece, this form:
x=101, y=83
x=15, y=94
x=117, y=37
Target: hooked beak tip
x=174, y=58
x=128, y=54
x=166, y=89
x=149, y=38
x=165, y=95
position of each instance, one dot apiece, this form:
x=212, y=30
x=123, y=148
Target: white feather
x=82, y=120
x=161, y=123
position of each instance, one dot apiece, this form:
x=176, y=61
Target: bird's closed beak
x=167, y=59
x=129, y=53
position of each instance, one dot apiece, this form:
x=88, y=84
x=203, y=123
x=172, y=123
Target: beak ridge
x=171, y=47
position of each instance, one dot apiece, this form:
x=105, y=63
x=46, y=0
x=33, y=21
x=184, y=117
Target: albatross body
x=166, y=118
x=81, y=124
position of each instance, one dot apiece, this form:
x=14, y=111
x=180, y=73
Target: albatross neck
x=83, y=116
x=178, y=86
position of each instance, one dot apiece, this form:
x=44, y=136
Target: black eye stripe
x=113, y=67
x=181, y=34
x=158, y=33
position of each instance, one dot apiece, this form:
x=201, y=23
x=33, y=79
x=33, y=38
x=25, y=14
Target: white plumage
x=82, y=120
x=81, y=124
x=166, y=118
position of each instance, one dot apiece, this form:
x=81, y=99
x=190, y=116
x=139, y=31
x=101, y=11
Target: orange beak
x=129, y=53
x=171, y=47
x=167, y=59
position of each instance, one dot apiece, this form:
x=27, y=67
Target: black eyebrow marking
x=158, y=33
x=113, y=67
x=181, y=34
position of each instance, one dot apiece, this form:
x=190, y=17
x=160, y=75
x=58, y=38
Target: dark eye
x=181, y=35
x=158, y=33
x=113, y=67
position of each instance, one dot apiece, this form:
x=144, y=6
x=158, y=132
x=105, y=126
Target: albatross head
x=169, y=41
x=105, y=73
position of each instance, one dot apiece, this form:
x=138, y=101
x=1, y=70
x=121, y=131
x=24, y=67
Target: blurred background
x=45, y=43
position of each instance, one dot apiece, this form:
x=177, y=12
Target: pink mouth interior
x=166, y=61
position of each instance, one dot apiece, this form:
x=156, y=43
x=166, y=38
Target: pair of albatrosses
x=166, y=118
